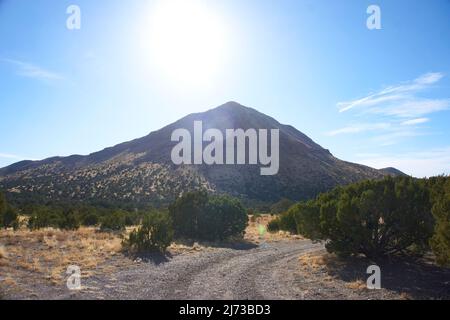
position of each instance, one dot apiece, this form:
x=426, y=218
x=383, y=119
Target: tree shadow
x=234, y=245
x=417, y=278
x=155, y=258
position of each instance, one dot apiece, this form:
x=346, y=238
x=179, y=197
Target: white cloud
x=30, y=70
x=419, y=164
x=396, y=112
x=358, y=128
x=395, y=136
x=401, y=100
x=411, y=108
x=429, y=78
x=415, y=121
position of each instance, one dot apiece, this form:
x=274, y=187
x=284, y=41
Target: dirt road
x=246, y=272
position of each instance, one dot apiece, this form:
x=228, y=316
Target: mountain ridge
x=141, y=171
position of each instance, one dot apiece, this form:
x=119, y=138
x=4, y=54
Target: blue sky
x=378, y=97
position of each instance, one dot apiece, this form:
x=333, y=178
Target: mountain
x=393, y=172
x=141, y=171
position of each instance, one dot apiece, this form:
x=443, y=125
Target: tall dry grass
x=48, y=252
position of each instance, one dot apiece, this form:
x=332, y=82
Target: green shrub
x=440, y=242
x=186, y=213
x=274, y=225
x=132, y=219
x=3, y=204
x=285, y=222
x=9, y=217
x=199, y=216
x=114, y=221
x=307, y=219
x=224, y=217
x=69, y=221
x=155, y=234
x=44, y=217
x=374, y=218
x=281, y=206
x=90, y=220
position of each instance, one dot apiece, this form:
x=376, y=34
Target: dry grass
x=257, y=230
x=3, y=254
x=323, y=267
x=316, y=260
x=48, y=252
x=357, y=285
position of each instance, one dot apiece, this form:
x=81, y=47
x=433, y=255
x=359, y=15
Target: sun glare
x=187, y=41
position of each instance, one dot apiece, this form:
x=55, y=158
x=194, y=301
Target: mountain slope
x=141, y=171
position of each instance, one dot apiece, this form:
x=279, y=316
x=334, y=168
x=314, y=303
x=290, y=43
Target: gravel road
x=257, y=272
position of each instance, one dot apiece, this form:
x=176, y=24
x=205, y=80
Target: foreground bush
x=224, y=218
x=375, y=218
x=155, y=234
x=197, y=215
x=285, y=222
x=440, y=242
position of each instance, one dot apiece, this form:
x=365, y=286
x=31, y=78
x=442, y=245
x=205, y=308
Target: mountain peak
x=232, y=104
x=141, y=171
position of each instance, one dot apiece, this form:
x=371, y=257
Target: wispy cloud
x=415, y=121
x=401, y=100
x=396, y=135
x=423, y=163
x=358, y=128
x=33, y=71
x=395, y=112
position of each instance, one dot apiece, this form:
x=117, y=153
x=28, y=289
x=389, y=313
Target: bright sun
x=187, y=40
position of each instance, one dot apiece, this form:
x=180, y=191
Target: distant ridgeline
x=139, y=173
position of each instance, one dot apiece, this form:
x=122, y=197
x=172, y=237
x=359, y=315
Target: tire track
x=222, y=273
